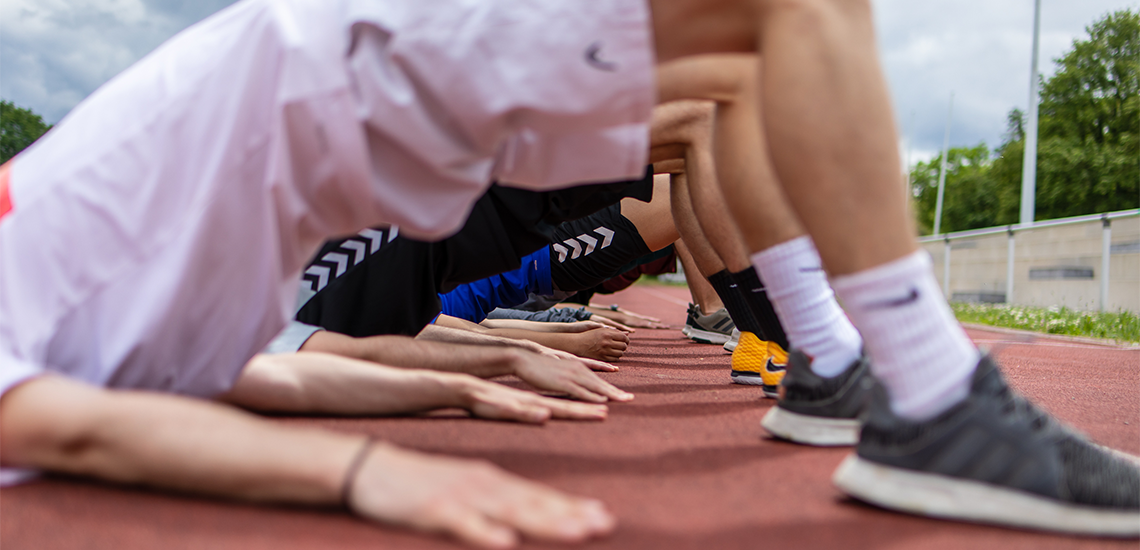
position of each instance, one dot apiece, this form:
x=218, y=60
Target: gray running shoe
x=814, y=410
x=994, y=458
x=733, y=341
x=714, y=328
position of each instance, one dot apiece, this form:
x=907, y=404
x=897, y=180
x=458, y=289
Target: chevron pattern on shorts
x=351, y=252
x=573, y=248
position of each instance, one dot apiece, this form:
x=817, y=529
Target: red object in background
x=5, y=198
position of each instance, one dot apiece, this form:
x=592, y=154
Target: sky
x=53, y=53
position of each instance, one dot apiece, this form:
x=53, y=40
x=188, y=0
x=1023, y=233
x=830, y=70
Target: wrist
x=515, y=359
x=352, y=473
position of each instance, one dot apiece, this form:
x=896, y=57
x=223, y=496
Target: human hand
x=628, y=318
x=498, y=402
x=568, y=374
x=611, y=323
x=475, y=502
x=581, y=326
x=593, y=364
x=603, y=344
x=633, y=321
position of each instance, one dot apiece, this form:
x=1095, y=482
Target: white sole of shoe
x=730, y=346
x=708, y=337
x=811, y=430
x=960, y=499
x=686, y=330
x=754, y=380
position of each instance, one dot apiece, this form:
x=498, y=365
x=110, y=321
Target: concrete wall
x=1053, y=266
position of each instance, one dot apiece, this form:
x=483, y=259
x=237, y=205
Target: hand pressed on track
x=498, y=402
x=603, y=344
x=571, y=375
x=475, y=502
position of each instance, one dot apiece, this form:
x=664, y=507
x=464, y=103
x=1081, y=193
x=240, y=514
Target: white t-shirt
x=158, y=232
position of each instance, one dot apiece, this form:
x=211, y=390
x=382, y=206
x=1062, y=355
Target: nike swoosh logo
x=897, y=302
x=810, y=269
x=596, y=62
x=773, y=367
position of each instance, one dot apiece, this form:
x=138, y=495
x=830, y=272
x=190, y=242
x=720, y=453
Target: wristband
x=353, y=470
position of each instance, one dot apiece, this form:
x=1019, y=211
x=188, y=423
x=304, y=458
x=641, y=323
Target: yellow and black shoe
x=757, y=362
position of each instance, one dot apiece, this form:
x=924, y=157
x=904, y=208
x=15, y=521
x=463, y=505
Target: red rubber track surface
x=685, y=465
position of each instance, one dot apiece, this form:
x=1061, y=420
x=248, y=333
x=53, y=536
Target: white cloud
x=980, y=50
x=53, y=53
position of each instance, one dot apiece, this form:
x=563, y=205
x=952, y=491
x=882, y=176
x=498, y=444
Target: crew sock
x=918, y=349
x=733, y=300
x=751, y=289
x=798, y=289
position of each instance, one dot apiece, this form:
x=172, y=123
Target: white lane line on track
x=1048, y=344
x=664, y=296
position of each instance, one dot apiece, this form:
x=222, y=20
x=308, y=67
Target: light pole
x=1029, y=165
x=942, y=171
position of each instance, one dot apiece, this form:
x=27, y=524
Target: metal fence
x=1085, y=263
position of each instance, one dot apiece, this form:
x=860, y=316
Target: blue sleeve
x=473, y=301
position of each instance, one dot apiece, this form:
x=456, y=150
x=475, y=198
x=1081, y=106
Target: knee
x=682, y=123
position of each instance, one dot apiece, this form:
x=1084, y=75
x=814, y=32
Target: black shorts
x=377, y=282
x=590, y=250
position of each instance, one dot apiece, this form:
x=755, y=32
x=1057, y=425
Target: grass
x=1122, y=326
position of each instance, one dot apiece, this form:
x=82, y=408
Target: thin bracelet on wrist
x=352, y=471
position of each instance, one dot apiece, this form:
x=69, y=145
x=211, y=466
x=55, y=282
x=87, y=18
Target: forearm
x=523, y=324
x=169, y=441
x=472, y=357
x=484, y=337
x=555, y=340
x=330, y=384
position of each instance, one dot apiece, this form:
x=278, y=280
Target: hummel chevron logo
x=375, y=237
x=574, y=249
x=561, y=250
x=358, y=248
x=322, y=274
x=577, y=248
x=341, y=261
x=607, y=233
x=590, y=242
x=355, y=249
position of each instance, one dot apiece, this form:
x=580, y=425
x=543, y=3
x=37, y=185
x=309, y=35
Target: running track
x=684, y=465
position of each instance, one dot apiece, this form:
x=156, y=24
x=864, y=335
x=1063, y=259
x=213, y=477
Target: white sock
x=797, y=287
x=918, y=349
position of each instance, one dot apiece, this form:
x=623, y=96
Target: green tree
x=19, y=128
x=1088, y=154
x=969, y=201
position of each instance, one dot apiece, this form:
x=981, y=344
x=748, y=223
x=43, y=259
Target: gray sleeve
x=563, y=315
x=292, y=338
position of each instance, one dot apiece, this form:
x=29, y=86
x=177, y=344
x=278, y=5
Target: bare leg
x=706, y=259
x=653, y=219
x=825, y=100
x=699, y=288
x=684, y=129
x=832, y=139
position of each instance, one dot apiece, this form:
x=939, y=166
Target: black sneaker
x=994, y=458
x=690, y=319
x=714, y=328
x=820, y=411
